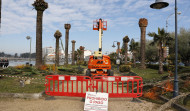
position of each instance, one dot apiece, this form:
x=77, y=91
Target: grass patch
x=12, y=85
x=150, y=75
x=71, y=69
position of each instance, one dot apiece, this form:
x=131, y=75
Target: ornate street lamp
x=159, y=4
x=168, y=18
x=114, y=44
x=118, y=58
x=29, y=38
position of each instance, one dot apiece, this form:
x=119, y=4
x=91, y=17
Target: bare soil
x=72, y=104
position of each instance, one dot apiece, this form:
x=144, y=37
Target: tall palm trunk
x=67, y=27
x=39, y=38
x=160, y=71
x=126, y=50
x=73, y=52
x=82, y=53
x=143, y=24
x=125, y=41
x=142, y=51
x=57, y=36
x=66, y=46
x=118, y=49
x=40, y=6
x=57, y=52
x=134, y=59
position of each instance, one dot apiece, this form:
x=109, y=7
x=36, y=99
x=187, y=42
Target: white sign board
x=96, y=101
x=61, y=77
x=118, y=61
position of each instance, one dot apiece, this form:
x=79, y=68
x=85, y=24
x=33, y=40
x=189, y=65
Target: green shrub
x=78, y=70
x=85, y=63
x=35, y=71
x=167, y=67
x=66, y=69
x=80, y=62
x=171, y=68
x=184, y=70
x=125, y=68
x=12, y=71
x=138, y=64
x=153, y=66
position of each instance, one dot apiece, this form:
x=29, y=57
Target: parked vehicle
x=181, y=64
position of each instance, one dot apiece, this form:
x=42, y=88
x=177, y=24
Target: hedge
x=125, y=68
x=167, y=67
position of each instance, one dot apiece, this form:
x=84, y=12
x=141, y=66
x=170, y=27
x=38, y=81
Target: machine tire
x=110, y=72
x=88, y=73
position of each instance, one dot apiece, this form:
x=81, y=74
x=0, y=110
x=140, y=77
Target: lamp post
x=29, y=38
x=114, y=44
x=167, y=30
x=168, y=18
x=118, y=43
x=118, y=60
x=159, y=4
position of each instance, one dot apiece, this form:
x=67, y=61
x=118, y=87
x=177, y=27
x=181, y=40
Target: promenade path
x=72, y=104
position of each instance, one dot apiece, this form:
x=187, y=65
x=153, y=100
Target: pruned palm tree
x=125, y=41
x=82, y=53
x=67, y=27
x=73, y=51
x=134, y=47
x=57, y=36
x=143, y=22
x=161, y=39
x=40, y=6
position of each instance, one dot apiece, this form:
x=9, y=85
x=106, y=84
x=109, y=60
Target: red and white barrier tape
x=21, y=77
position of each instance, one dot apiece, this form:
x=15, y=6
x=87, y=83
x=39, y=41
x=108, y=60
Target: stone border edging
x=174, y=105
x=23, y=95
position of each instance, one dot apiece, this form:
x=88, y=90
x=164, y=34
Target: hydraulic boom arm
x=99, y=25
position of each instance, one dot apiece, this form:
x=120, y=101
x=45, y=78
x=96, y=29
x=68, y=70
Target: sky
x=122, y=16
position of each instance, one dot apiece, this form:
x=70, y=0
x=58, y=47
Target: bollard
x=22, y=83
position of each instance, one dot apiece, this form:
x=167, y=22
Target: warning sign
x=96, y=101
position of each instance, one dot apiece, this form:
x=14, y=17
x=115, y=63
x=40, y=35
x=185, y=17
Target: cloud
x=18, y=16
x=134, y=5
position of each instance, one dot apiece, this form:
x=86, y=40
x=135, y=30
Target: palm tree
x=161, y=39
x=78, y=55
x=134, y=47
x=57, y=35
x=143, y=24
x=67, y=28
x=73, y=51
x=82, y=53
x=40, y=6
x=125, y=41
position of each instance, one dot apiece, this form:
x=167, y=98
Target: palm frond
x=152, y=44
x=162, y=32
x=158, y=31
x=151, y=34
